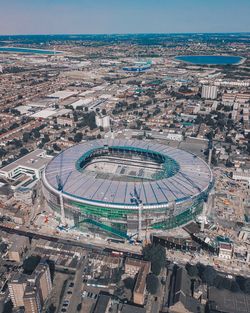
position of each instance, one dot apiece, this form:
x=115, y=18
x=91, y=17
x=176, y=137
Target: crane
x=136, y=199
x=60, y=186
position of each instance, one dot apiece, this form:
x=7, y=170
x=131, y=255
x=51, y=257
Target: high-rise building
x=209, y=92
x=32, y=299
x=31, y=291
x=17, y=287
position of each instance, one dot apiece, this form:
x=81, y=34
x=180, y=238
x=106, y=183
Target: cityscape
x=125, y=172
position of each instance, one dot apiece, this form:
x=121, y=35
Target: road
x=87, y=244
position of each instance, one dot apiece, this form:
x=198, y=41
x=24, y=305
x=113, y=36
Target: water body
x=210, y=59
x=27, y=50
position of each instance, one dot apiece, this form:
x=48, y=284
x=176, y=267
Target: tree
x=26, y=137
x=56, y=147
x=52, y=308
x=79, y=307
x=13, y=126
x=129, y=283
x=209, y=275
x=117, y=274
x=23, y=151
x=18, y=143
x=156, y=255
x=152, y=283
x=229, y=163
x=30, y=264
x=2, y=152
x=78, y=137
x=45, y=139
x=192, y=270
x=36, y=133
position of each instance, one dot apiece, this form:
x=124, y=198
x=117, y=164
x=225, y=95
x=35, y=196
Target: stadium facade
x=126, y=187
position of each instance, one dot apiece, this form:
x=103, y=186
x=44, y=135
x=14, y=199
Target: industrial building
x=126, y=187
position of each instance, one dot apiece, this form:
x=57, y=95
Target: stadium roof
x=192, y=178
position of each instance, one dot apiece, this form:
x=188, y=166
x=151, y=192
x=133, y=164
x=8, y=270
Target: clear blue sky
x=123, y=16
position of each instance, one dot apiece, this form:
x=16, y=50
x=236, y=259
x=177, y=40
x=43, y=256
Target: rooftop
x=35, y=160
x=189, y=175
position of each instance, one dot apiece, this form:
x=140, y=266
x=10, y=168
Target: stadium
x=126, y=187
x=139, y=67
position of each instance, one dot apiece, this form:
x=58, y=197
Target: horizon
x=33, y=17
x=119, y=34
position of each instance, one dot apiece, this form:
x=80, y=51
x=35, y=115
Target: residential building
x=31, y=299
x=43, y=279
x=17, y=286
x=209, y=92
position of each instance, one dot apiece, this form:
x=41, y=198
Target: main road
x=101, y=247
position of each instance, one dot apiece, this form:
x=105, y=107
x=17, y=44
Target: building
x=225, y=251
x=102, y=121
x=65, y=121
x=103, y=304
x=242, y=175
x=180, y=299
x=18, y=248
x=17, y=286
x=32, y=164
x=31, y=299
x=140, y=268
x=177, y=243
x=110, y=183
x=209, y=92
x=31, y=291
x=43, y=279
x=140, y=284
x=62, y=94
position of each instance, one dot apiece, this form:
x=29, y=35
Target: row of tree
x=211, y=277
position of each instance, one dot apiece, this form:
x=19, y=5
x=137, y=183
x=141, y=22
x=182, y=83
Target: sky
x=123, y=16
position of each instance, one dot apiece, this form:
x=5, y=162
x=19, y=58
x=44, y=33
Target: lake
x=210, y=59
x=27, y=50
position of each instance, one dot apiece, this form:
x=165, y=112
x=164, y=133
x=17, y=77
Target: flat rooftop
x=35, y=160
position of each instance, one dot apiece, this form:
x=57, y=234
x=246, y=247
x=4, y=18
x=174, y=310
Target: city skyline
x=109, y=17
